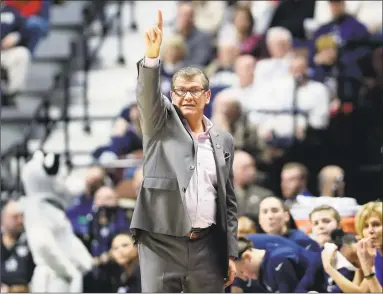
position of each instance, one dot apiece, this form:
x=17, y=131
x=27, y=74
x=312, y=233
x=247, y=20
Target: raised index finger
x=159, y=19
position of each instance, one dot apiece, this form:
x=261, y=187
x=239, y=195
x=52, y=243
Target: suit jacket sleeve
x=151, y=104
x=231, y=207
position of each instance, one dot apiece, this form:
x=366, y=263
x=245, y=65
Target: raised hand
x=366, y=254
x=153, y=38
x=328, y=255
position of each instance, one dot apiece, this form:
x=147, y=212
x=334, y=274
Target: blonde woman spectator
x=368, y=225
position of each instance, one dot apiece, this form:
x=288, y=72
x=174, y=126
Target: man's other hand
x=232, y=270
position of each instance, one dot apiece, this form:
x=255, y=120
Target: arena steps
x=110, y=88
x=68, y=15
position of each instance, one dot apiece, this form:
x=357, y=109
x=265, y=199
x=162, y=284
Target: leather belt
x=198, y=233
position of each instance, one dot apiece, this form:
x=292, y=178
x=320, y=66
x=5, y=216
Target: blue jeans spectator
x=38, y=28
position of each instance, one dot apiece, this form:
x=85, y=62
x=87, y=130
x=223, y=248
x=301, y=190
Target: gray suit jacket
x=169, y=163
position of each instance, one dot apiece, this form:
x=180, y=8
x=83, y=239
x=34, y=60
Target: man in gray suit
x=185, y=219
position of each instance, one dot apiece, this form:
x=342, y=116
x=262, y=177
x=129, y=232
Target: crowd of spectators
x=23, y=25
x=299, y=85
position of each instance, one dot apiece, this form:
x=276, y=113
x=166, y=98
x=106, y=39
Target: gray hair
x=189, y=73
x=279, y=33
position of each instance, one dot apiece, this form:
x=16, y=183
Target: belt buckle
x=192, y=235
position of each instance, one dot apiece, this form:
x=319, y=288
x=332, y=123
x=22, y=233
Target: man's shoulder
x=227, y=136
x=260, y=191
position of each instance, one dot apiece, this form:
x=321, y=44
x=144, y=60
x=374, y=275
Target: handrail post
x=18, y=168
x=120, y=33
x=86, y=67
x=66, y=118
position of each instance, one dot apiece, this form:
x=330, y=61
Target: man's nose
x=188, y=96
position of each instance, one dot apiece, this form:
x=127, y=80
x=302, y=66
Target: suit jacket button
x=184, y=190
x=191, y=167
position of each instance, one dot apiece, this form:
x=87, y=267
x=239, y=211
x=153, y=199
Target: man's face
x=94, y=180
x=373, y=229
x=337, y=8
x=185, y=16
x=106, y=197
x=12, y=218
x=323, y=223
x=196, y=97
x=291, y=182
x=245, y=171
x=278, y=48
x=173, y=54
x=244, y=69
x=227, y=54
x=272, y=217
x=241, y=21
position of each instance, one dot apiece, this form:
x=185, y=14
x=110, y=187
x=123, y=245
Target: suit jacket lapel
x=217, y=143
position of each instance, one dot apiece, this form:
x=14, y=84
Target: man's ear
x=246, y=256
x=208, y=96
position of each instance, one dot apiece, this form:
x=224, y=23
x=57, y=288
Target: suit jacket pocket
x=160, y=183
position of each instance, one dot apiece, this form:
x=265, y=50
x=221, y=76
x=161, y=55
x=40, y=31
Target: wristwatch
x=370, y=276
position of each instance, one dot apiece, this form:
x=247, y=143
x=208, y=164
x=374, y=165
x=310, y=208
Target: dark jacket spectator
x=13, y=22
x=37, y=15
x=291, y=14
x=343, y=29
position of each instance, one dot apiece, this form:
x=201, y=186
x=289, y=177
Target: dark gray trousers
x=174, y=264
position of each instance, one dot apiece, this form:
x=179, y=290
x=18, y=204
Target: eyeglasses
x=195, y=93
